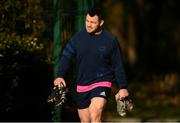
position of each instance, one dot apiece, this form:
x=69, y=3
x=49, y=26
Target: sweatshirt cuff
x=123, y=85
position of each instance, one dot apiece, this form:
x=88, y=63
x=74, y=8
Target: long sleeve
x=65, y=60
x=117, y=64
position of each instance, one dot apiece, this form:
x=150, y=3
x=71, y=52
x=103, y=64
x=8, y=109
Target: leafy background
x=148, y=32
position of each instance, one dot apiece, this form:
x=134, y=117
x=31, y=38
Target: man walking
x=99, y=63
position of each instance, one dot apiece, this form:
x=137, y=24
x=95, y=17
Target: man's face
x=92, y=23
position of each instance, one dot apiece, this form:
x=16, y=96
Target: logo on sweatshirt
x=102, y=48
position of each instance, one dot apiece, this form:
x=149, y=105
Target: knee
x=96, y=108
x=95, y=118
x=84, y=116
x=84, y=119
x=95, y=115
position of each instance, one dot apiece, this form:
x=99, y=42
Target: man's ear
x=102, y=22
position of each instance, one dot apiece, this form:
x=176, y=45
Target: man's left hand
x=122, y=94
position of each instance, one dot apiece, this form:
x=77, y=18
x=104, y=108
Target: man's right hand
x=58, y=81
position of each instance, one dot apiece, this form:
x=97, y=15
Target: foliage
x=24, y=60
x=22, y=17
x=155, y=101
x=149, y=34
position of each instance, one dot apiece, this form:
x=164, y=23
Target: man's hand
x=122, y=94
x=58, y=93
x=124, y=103
x=59, y=81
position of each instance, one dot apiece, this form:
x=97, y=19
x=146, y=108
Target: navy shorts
x=84, y=98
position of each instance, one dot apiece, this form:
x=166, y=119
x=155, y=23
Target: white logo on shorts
x=103, y=93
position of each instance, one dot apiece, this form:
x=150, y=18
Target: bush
x=25, y=76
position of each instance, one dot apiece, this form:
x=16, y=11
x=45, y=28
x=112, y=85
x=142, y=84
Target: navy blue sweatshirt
x=98, y=59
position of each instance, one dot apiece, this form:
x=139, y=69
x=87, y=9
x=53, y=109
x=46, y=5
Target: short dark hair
x=96, y=11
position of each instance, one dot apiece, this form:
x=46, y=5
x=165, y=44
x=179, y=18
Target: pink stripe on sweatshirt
x=94, y=85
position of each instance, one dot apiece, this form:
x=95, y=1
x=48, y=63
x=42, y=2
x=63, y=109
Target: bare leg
x=84, y=115
x=96, y=108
